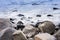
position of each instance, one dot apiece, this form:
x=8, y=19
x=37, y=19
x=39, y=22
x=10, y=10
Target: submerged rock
x=47, y=26
x=44, y=36
x=20, y=15
x=55, y=8
x=20, y=25
x=35, y=4
x=19, y=35
x=38, y=15
x=49, y=15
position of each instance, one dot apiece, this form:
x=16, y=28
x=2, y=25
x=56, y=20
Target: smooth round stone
x=29, y=31
x=47, y=27
x=19, y=35
x=44, y=36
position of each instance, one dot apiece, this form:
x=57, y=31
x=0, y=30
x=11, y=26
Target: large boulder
x=4, y=23
x=6, y=34
x=47, y=26
x=19, y=35
x=57, y=35
x=44, y=36
x=30, y=31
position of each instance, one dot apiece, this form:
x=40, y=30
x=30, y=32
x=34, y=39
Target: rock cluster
x=45, y=30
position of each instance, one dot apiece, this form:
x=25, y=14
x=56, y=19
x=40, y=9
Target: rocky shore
x=45, y=30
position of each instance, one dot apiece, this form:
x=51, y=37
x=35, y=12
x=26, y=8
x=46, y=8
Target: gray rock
x=29, y=31
x=44, y=36
x=57, y=35
x=4, y=23
x=6, y=34
x=47, y=26
x=19, y=35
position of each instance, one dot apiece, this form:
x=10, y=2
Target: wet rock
x=29, y=31
x=35, y=4
x=32, y=22
x=57, y=35
x=55, y=8
x=11, y=19
x=44, y=36
x=47, y=26
x=4, y=23
x=19, y=35
x=23, y=18
x=20, y=15
x=29, y=17
x=6, y=34
x=49, y=15
x=38, y=15
x=20, y=25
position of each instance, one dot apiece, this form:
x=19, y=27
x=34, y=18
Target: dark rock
x=20, y=25
x=20, y=15
x=59, y=25
x=11, y=19
x=49, y=15
x=35, y=4
x=38, y=15
x=13, y=22
x=32, y=22
x=55, y=8
x=29, y=17
x=20, y=22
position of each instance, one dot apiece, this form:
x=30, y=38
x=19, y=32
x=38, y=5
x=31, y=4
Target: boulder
x=47, y=27
x=19, y=35
x=29, y=31
x=4, y=23
x=44, y=36
x=57, y=35
x=20, y=25
x=6, y=34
